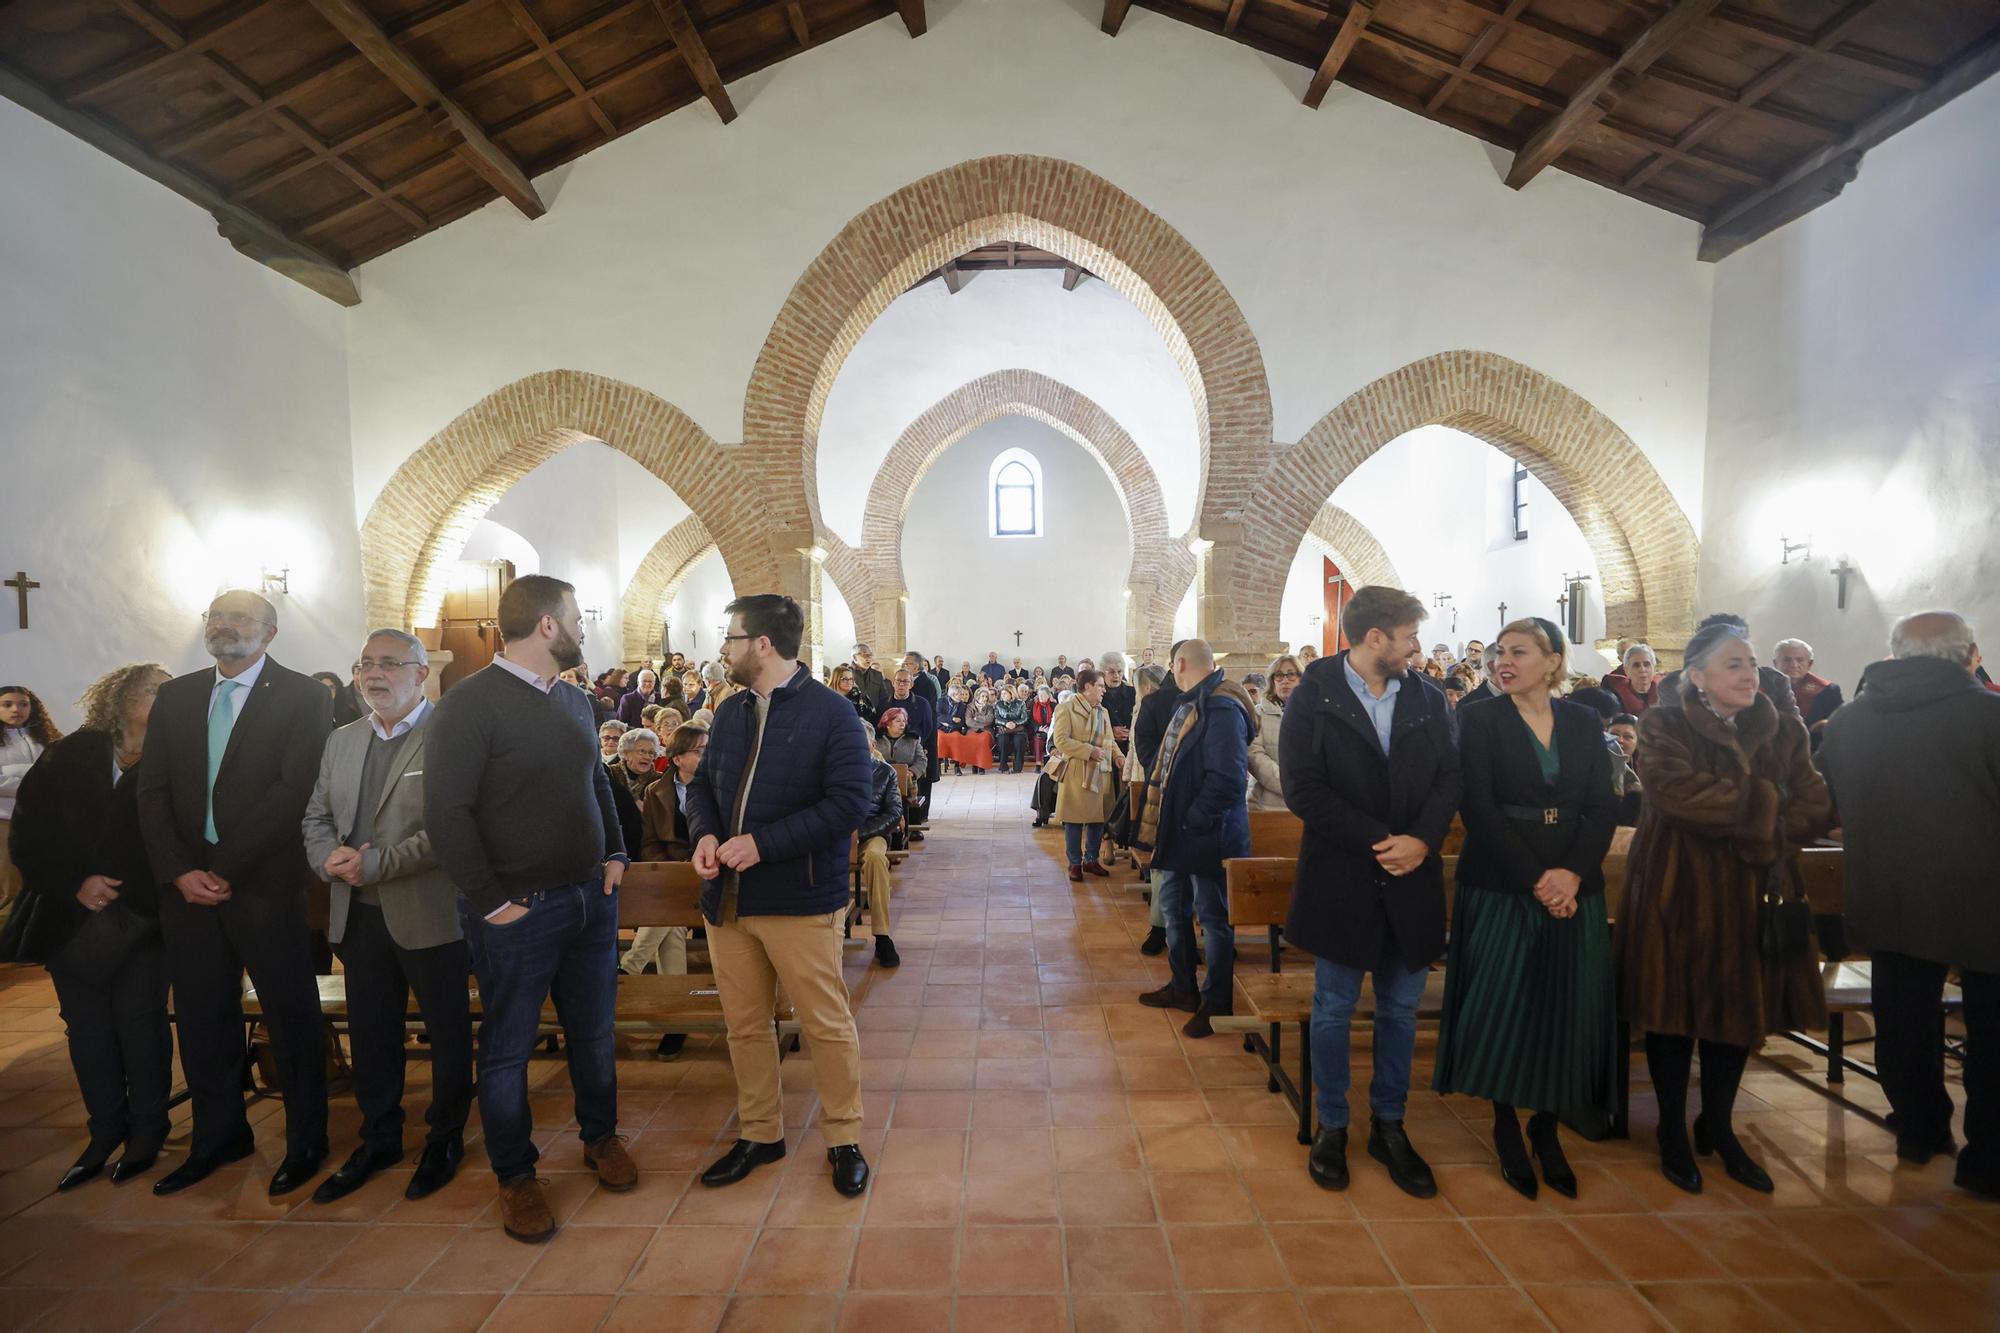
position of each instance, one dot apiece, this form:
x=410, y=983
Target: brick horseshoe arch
x=1161, y=567
x=657, y=581
x=419, y=523
x=1645, y=547
x=1352, y=546
x=1052, y=204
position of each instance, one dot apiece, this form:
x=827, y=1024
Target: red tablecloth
x=974, y=749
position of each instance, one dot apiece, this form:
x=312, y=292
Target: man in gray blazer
x=394, y=918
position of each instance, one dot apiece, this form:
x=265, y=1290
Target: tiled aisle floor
x=1048, y=1154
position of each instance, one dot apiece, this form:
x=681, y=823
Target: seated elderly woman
x=1638, y=686
x=895, y=744
x=607, y=738
x=635, y=772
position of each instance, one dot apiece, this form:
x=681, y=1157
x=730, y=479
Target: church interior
x=1034, y=328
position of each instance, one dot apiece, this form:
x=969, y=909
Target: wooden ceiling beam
x=1475, y=55
x=1818, y=178
x=795, y=15
x=532, y=29
x=284, y=171
x=1360, y=13
x=913, y=16
x=1073, y=277
x=952, y=277
x=1606, y=89
x=1114, y=16
x=695, y=53
x=487, y=159
x=1233, y=17
x=194, y=40
x=1770, y=81
x=250, y=232
x=1795, y=41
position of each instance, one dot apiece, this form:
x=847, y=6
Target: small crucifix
x=1017, y=638
x=1842, y=571
x=21, y=583
x=1562, y=606
x=1503, y=613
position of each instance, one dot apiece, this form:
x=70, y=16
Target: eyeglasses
x=234, y=619
x=385, y=663
x=1284, y=675
x=731, y=638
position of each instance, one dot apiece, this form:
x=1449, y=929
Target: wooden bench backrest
x=906, y=786
x=659, y=893
x=1824, y=872
x=1275, y=833
x=1260, y=887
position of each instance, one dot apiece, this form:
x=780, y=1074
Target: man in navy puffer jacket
x=781, y=789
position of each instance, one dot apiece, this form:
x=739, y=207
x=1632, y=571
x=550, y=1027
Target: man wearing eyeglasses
x=231, y=755
x=394, y=919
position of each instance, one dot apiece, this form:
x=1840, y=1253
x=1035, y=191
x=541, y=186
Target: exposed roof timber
x=913, y=16
x=695, y=52
x=1114, y=16
x=487, y=159
x=1782, y=36
x=249, y=231
x=1596, y=99
x=795, y=15
x=532, y=29
x=194, y=40
x=1233, y=17
x=1475, y=55
x=1763, y=211
x=1360, y=13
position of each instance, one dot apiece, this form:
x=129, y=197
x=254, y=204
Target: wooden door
x=1335, y=592
x=469, y=626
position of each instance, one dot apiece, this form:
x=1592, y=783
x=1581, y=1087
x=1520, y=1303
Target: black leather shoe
x=1199, y=1026
x=1677, y=1161
x=740, y=1161
x=1736, y=1163
x=671, y=1044
x=1155, y=943
x=1327, y=1163
x=135, y=1162
x=1515, y=1168
x=1389, y=1145
x=435, y=1168
x=87, y=1168
x=1548, y=1151
x=296, y=1170
x=353, y=1173
x=885, y=952
x=1166, y=997
x=200, y=1166
x=850, y=1169
x=1920, y=1148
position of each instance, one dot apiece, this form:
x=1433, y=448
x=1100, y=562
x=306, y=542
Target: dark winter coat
x=885, y=804
x=1149, y=725
x=1345, y=907
x=71, y=822
x=1723, y=806
x=1914, y=763
x=1203, y=818
x=1506, y=853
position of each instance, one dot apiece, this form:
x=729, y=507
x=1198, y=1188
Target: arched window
x=1014, y=495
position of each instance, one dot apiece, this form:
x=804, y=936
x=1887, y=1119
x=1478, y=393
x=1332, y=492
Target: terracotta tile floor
x=1049, y=1155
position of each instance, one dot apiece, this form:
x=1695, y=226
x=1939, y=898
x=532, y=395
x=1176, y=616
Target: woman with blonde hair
x=1266, y=791
x=1529, y=1014
x=1080, y=740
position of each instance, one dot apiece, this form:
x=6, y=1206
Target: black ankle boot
x=1736, y=1163
x=1677, y=1158
x=1548, y=1151
x=1515, y=1168
x=1155, y=942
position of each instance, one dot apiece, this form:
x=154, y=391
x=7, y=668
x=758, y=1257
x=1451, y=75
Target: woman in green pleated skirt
x=1530, y=1015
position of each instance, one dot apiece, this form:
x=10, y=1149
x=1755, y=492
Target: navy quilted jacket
x=808, y=795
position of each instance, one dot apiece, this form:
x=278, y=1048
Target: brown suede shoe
x=1095, y=868
x=615, y=1168
x=1076, y=874
x=524, y=1211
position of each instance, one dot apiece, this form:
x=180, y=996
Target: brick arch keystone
x=657, y=581
x=418, y=524
x=1352, y=546
x=1161, y=567
x=1645, y=548
x=1041, y=201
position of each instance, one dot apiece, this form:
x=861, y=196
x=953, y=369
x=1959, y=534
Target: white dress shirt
x=516, y=669
x=245, y=682
x=414, y=716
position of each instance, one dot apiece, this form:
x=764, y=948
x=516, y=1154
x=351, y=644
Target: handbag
x=1784, y=925
x=101, y=945
x=1056, y=766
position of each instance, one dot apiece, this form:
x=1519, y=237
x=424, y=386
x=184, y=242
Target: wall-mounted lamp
x=593, y=613
x=279, y=583
x=1787, y=548
x=818, y=553
x=1199, y=546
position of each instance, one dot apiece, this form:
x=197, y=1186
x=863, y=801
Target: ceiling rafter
x=914, y=19
x=1353, y=24
x=694, y=52
x=194, y=40
x=533, y=30
x=1475, y=55
x=1794, y=41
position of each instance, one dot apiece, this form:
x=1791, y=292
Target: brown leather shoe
x=615, y=1168
x=1095, y=868
x=1076, y=874
x=524, y=1211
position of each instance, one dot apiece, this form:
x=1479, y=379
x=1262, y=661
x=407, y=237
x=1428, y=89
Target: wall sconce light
x=279, y=583
x=818, y=554
x=593, y=613
x=1787, y=547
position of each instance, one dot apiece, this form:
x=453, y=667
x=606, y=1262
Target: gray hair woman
x=1267, y=792
x=607, y=738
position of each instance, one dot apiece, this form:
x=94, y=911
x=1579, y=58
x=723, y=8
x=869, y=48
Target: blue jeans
x=1082, y=842
x=566, y=947
x=1172, y=890
x=1336, y=990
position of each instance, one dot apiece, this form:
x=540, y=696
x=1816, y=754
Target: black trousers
x=122, y=1048
x=1009, y=746
x=261, y=930
x=381, y=974
x=1909, y=1054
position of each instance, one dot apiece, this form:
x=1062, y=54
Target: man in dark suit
x=1369, y=766
x=231, y=757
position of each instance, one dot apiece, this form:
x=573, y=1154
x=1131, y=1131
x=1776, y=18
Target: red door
x=1335, y=593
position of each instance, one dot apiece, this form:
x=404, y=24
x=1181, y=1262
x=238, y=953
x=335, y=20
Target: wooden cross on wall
x=1017, y=638
x=21, y=583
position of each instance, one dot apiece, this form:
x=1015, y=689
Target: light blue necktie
x=221, y=719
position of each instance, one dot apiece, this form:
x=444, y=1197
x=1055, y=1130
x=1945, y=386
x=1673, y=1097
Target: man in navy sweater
x=781, y=789
x=521, y=817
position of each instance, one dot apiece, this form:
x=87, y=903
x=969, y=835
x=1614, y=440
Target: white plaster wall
x=1856, y=397
x=667, y=254
x=489, y=540
x=696, y=615
x=930, y=342
x=176, y=417
x=1439, y=502
x=1064, y=590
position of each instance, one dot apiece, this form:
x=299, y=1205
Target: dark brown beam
x=532, y=29
x=1233, y=17
x=1114, y=16
x=1072, y=277
x=913, y=16
x=1763, y=211
x=795, y=15
x=195, y=40
x=954, y=280
x=486, y=158
x=284, y=171
x=1475, y=55
x=1784, y=37
x=250, y=232
x=1359, y=14
x=694, y=52
x=1606, y=89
